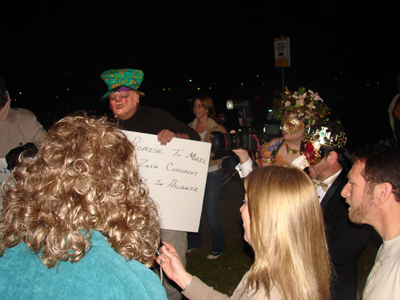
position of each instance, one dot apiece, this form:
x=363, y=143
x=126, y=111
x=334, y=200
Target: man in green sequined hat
x=124, y=96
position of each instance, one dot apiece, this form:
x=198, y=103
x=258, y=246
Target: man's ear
x=136, y=96
x=383, y=191
x=332, y=157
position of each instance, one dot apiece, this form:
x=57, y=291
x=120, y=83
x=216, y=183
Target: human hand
x=165, y=136
x=242, y=154
x=172, y=265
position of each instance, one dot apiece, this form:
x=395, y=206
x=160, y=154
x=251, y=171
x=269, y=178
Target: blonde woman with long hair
x=283, y=223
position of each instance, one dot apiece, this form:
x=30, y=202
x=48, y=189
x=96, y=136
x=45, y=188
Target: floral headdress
x=300, y=104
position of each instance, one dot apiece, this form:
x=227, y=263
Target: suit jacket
x=345, y=240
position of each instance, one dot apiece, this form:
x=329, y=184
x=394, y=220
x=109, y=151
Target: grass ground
x=224, y=273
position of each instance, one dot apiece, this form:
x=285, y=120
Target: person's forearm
x=182, y=136
x=184, y=280
x=244, y=157
x=198, y=290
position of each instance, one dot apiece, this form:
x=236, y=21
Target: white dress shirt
x=320, y=191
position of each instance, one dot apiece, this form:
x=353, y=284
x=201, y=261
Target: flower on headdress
x=288, y=103
x=315, y=96
x=299, y=97
x=300, y=102
x=310, y=105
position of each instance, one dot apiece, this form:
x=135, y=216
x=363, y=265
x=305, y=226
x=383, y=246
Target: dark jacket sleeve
x=176, y=126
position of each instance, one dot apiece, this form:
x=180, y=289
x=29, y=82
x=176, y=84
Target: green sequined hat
x=130, y=78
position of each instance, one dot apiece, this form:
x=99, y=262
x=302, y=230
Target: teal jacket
x=101, y=274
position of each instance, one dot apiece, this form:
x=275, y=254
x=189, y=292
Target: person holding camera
x=296, y=111
x=204, y=124
x=283, y=223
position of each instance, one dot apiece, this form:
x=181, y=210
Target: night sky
x=52, y=56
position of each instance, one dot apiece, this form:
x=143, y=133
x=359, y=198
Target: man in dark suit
x=345, y=239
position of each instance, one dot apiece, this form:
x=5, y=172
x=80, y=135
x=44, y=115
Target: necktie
x=318, y=183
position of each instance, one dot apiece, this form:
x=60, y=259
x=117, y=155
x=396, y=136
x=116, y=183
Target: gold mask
x=291, y=125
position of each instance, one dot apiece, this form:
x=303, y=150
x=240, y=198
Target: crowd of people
x=77, y=221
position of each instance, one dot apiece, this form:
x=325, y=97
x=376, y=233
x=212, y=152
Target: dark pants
x=211, y=202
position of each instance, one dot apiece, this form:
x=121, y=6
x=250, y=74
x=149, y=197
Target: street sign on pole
x=282, y=52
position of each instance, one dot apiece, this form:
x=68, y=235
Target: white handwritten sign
x=176, y=176
x=4, y=173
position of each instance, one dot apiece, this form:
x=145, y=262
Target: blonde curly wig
x=84, y=178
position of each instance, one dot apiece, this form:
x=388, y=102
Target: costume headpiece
x=130, y=78
x=301, y=104
x=322, y=135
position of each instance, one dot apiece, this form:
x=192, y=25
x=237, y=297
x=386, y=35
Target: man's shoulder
x=20, y=116
x=150, y=109
x=342, y=176
x=152, y=112
x=16, y=112
x=22, y=111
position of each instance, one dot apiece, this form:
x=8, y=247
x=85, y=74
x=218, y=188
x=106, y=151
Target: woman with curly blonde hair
x=80, y=209
x=283, y=223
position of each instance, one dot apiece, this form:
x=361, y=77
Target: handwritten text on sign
x=176, y=176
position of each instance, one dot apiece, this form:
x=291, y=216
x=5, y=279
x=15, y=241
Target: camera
x=245, y=138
